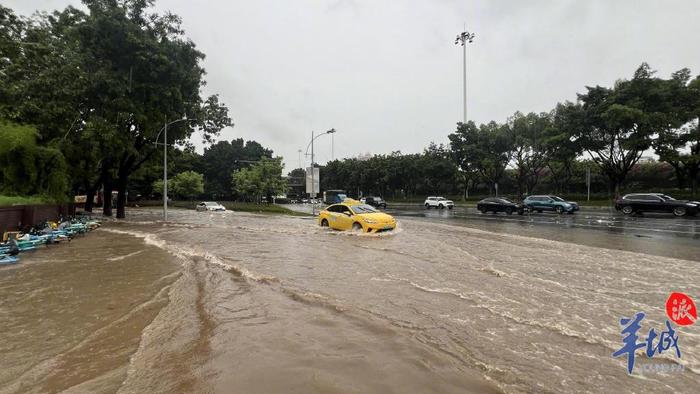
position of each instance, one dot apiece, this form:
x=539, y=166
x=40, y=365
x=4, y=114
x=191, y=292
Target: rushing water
x=230, y=302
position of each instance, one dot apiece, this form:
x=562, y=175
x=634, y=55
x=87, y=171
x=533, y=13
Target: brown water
x=243, y=303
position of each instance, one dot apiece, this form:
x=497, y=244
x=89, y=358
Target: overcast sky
x=387, y=75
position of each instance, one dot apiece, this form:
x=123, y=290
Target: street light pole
x=313, y=172
x=313, y=180
x=164, y=130
x=462, y=39
x=165, y=173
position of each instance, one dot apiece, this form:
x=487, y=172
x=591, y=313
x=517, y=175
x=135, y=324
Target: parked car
x=438, y=202
x=656, y=202
x=209, y=206
x=550, y=203
x=497, y=204
x=376, y=202
x=354, y=215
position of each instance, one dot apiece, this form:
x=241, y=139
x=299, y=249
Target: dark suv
x=376, y=202
x=549, y=203
x=655, y=202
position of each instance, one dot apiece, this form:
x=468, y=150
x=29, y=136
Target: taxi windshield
x=363, y=208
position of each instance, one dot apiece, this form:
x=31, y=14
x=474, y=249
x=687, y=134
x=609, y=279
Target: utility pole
x=313, y=167
x=165, y=172
x=313, y=180
x=300, y=158
x=588, y=182
x=463, y=39
x=164, y=130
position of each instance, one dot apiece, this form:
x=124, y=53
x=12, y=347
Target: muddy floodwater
x=241, y=303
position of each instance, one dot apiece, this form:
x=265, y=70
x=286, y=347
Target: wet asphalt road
x=654, y=234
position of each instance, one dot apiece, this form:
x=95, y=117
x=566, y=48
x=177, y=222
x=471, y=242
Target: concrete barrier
x=22, y=217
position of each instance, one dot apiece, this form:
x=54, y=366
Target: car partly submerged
x=354, y=215
x=209, y=206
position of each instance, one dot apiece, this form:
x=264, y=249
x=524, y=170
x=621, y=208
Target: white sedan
x=209, y=206
x=438, y=202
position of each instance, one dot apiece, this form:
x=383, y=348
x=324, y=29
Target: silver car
x=209, y=206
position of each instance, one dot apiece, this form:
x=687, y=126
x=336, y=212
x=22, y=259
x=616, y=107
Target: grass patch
x=26, y=200
x=261, y=208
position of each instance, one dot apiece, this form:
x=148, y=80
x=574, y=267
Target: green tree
x=562, y=147
x=223, y=158
x=118, y=65
x=188, y=184
x=27, y=168
x=679, y=143
x=620, y=122
x=262, y=178
x=486, y=149
x=296, y=181
x=528, y=136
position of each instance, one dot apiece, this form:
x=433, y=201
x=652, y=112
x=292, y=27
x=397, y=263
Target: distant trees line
x=607, y=131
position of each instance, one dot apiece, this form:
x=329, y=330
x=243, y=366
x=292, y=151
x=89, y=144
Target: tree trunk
x=89, y=198
x=125, y=168
x=90, y=192
x=107, y=187
x=121, y=196
x=680, y=174
x=693, y=175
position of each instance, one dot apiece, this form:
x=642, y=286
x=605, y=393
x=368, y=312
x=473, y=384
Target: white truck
x=438, y=202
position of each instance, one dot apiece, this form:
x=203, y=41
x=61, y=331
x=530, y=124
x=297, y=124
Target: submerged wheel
x=509, y=210
x=560, y=210
x=441, y=206
x=482, y=209
x=627, y=210
x=324, y=223
x=679, y=211
x=357, y=227
x=427, y=206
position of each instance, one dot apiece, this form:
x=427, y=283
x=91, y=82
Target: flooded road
x=655, y=234
x=230, y=302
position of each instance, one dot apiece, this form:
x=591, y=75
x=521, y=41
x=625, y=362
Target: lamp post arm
x=314, y=139
x=169, y=124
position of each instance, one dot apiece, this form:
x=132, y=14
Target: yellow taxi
x=354, y=215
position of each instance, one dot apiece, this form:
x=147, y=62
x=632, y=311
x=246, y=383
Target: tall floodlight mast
x=463, y=39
